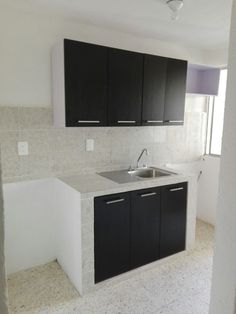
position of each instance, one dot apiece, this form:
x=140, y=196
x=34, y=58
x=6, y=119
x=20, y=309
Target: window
x=216, y=107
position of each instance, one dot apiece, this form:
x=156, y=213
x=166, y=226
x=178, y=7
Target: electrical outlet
x=89, y=145
x=23, y=148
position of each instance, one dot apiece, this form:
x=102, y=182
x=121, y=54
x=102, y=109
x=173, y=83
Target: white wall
x=224, y=264
x=208, y=189
x=27, y=40
x=3, y=286
x=43, y=223
x=208, y=182
x=68, y=231
x=29, y=224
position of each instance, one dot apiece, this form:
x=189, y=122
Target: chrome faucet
x=140, y=156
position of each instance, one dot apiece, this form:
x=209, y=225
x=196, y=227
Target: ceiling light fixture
x=175, y=6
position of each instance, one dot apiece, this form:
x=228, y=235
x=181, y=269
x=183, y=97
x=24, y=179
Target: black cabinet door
x=175, y=92
x=154, y=83
x=85, y=84
x=125, y=87
x=111, y=235
x=145, y=226
x=173, y=219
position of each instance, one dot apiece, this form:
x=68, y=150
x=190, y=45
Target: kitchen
x=66, y=153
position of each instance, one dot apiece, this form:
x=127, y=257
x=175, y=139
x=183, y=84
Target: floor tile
x=179, y=286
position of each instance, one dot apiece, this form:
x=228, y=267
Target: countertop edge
x=83, y=185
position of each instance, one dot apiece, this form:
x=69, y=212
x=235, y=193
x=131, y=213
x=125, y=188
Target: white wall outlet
x=89, y=145
x=23, y=148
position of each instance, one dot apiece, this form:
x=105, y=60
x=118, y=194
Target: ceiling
x=203, y=23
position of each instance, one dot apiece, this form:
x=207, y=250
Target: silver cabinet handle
x=123, y=121
x=115, y=201
x=175, y=121
x=89, y=121
x=176, y=189
x=148, y=194
x=154, y=121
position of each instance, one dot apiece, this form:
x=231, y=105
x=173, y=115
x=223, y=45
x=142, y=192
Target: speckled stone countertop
x=92, y=184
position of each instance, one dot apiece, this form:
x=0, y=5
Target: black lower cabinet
x=145, y=226
x=136, y=228
x=112, y=235
x=173, y=219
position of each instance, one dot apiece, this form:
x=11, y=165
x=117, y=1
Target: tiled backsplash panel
x=9, y=118
x=34, y=118
x=61, y=151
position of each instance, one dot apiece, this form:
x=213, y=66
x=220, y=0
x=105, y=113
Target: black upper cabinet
x=175, y=91
x=104, y=86
x=145, y=226
x=85, y=84
x=111, y=235
x=173, y=219
x=125, y=70
x=154, y=84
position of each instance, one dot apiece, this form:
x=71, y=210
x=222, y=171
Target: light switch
x=23, y=148
x=89, y=145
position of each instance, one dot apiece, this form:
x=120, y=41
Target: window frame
x=210, y=118
x=209, y=126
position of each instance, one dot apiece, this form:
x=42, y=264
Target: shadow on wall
x=3, y=286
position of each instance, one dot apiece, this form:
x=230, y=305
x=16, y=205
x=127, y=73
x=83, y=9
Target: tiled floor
x=180, y=286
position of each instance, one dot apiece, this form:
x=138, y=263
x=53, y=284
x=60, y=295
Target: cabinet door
x=145, y=226
x=111, y=235
x=85, y=84
x=173, y=219
x=175, y=92
x=125, y=87
x=154, y=83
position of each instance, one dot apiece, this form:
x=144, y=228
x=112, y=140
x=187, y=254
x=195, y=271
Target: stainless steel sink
x=149, y=173
x=127, y=176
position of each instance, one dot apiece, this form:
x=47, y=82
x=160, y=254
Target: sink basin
x=150, y=173
x=127, y=176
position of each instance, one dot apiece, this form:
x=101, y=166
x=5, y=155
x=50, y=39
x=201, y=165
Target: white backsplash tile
x=59, y=151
